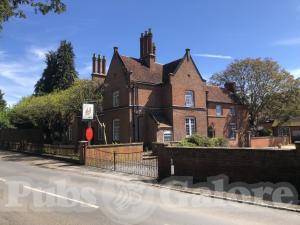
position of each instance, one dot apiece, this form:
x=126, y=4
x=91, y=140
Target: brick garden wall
x=262, y=142
x=239, y=164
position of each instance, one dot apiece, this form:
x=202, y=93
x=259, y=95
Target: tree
x=66, y=73
x=2, y=101
x=262, y=85
x=55, y=112
x=14, y=8
x=4, y=119
x=60, y=72
x=46, y=83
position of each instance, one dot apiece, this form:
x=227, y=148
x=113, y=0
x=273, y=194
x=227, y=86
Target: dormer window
x=116, y=101
x=189, y=99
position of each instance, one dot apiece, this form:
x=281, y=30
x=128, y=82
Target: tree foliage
x=15, y=8
x=4, y=119
x=60, y=72
x=54, y=112
x=263, y=86
x=2, y=101
x=200, y=141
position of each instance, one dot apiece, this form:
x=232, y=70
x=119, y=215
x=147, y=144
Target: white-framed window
x=219, y=110
x=70, y=133
x=100, y=133
x=189, y=99
x=116, y=96
x=190, y=126
x=283, y=131
x=116, y=130
x=168, y=137
x=232, y=131
x=232, y=111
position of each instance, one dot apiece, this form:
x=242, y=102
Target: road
x=36, y=191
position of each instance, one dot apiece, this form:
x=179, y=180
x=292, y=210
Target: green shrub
x=200, y=141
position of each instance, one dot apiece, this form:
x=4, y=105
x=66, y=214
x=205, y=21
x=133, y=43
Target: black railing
x=132, y=163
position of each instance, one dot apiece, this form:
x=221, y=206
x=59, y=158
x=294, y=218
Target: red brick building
x=145, y=101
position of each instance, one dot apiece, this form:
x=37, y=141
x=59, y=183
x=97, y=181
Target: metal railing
x=69, y=151
x=132, y=163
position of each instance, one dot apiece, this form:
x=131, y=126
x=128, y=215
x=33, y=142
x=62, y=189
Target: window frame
x=232, y=128
x=232, y=111
x=189, y=125
x=168, y=132
x=114, y=130
x=70, y=133
x=191, y=94
x=220, y=114
x=116, y=98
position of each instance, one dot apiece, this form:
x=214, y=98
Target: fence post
x=82, y=151
x=114, y=155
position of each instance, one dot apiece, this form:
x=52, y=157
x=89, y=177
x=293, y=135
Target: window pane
x=167, y=136
x=189, y=99
x=190, y=126
x=116, y=130
x=219, y=110
x=232, y=131
x=116, y=99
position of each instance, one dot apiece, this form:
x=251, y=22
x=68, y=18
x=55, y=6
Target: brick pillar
x=82, y=150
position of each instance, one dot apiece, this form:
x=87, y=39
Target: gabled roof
x=142, y=73
x=218, y=94
x=160, y=119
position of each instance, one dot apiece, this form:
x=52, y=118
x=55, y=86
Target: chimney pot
x=116, y=49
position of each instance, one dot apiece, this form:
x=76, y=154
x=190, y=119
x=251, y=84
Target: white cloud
x=295, y=72
x=214, y=56
x=288, y=42
x=38, y=53
x=19, y=74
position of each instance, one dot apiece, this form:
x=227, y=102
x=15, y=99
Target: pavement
x=36, y=191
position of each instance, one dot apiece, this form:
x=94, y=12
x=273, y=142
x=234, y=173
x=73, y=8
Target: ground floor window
x=190, y=126
x=70, y=133
x=284, y=131
x=232, y=131
x=211, y=132
x=168, y=137
x=116, y=130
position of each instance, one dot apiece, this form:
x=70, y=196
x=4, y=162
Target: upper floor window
x=189, y=99
x=116, y=101
x=219, y=110
x=190, y=126
x=232, y=110
x=116, y=130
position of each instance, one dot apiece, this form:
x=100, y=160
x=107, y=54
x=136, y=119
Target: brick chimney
x=99, y=68
x=230, y=86
x=147, y=48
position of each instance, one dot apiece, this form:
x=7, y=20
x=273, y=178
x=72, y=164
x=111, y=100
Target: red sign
x=89, y=134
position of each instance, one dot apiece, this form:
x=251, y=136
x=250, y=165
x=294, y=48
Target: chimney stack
x=99, y=68
x=94, y=60
x=147, y=48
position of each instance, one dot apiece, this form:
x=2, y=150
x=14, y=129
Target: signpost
x=88, y=112
x=89, y=134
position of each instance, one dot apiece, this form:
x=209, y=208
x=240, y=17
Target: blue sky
x=216, y=31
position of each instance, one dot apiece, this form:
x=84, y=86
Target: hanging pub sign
x=88, y=111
